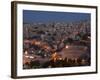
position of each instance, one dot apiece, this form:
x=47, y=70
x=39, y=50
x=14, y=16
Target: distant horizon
x=30, y=16
x=54, y=22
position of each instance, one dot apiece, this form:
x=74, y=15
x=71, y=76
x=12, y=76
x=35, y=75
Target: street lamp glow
x=27, y=56
x=31, y=57
x=26, y=52
x=67, y=46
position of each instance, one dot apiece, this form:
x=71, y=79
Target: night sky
x=31, y=16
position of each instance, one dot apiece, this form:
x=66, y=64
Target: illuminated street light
x=27, y=56
x=67, y=46
x=31, y=57
x=26, y=52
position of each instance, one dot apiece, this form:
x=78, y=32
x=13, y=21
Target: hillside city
x=56, y=44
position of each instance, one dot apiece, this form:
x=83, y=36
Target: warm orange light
x=67, y=46
x=27, y=56
x=60, y=58
x=54, y=56
x=31, y=57
x=26, y=52
x=37, y=43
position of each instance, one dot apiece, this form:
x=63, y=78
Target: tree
x=34, y=64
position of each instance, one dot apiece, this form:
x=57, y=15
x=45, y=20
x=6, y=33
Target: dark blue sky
x=30, y=16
